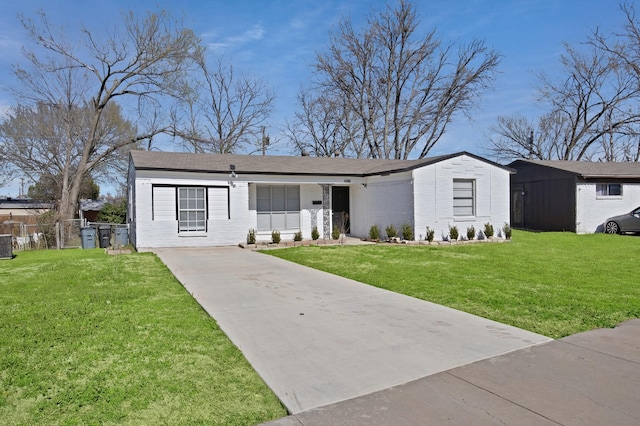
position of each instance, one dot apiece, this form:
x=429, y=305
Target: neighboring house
x=89, y=209
x=18, y=218
x=575, y=196
x=181, y=199
x=22, y=210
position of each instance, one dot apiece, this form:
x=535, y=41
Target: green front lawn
x=87, y=338
x=554, y=284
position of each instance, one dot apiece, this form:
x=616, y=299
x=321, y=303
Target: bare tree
x=403, y=87
x=140, y=64
x=324, y=127
x=227, y=112
x=45, y=143
x=6, y=171
x=516, y=137
x=592, y=109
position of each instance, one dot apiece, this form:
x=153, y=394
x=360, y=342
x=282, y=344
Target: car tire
x=612, y=228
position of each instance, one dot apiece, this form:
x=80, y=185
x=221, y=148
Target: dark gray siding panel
x=548, y=198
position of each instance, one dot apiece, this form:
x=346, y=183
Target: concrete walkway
x=591, y=378
x=318, y=339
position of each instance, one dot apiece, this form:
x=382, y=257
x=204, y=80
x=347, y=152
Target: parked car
x=624, y=223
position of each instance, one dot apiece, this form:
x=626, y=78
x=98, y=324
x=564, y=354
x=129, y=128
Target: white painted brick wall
x=423, y=197
x=434, y=196
x=386, y=200
x=164, y=232
x=592, y=211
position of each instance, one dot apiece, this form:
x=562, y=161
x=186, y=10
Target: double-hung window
x=278, y=207
x=608, y=190
x=192, y=209
x=464, y=197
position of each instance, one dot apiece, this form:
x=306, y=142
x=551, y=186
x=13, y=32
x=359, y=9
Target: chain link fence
x=63, y=234
x=30, y=236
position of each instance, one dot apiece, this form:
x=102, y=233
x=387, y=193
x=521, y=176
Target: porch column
x=326, y=210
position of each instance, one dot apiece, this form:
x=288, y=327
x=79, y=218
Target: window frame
x=607, y=193
x=472, y=198
x=201, y=224
x=289, y=215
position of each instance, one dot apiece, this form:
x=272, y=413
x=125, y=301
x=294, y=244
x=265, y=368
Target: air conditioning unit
x=6, y=249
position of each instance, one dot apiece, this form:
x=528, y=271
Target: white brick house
x=189, y=200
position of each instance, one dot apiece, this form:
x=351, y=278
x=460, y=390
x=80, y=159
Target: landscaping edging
x=306, y=243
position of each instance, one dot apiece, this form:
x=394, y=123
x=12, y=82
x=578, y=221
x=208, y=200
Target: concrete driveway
x=317, y=339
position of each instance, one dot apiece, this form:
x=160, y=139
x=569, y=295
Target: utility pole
x=530, y=141
x=265, y=141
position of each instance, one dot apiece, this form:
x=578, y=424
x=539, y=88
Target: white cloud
x=255, y=33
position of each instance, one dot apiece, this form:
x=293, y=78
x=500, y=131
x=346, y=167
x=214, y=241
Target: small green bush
x=471, y=232
x=407, y=231
x=453, y=233
x=297, y=236
x=251, y=236
x=275, y=236
x=314, y=233
x=507, y=231
x=335, y=233
x=488, y=230
x=391, y=231
x=113, y=213
x=374, y=233
x=430, y=234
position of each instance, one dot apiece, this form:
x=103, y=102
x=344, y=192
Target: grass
x=555, y=284
x=87, y=338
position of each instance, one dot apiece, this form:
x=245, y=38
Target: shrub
x=407, y=231
x=391, y=231
x=251, y=236
x=113, y=213
x=335, y=233
x=374, y=233
x=47, y=225
x=488, y=230
x=507, y=231
x=297, y=236
x=453, y=233
x=471, y=232
x=430, y=234
x=275, y=236
x=314, y=233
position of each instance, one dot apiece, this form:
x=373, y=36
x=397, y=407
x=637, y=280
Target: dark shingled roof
x=280, y=165
x=23, y=203
x=590, y=169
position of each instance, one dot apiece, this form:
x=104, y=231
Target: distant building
x=89, y=209
x=18, y=217
x=23, y=210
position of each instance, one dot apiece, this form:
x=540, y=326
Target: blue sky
x=277, y=41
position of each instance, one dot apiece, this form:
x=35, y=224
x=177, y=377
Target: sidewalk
x=591, y=378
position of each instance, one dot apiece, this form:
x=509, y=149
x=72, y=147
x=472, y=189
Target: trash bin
x=6, y=249
x=105, y=236
x=121, y=237
x=88, y=236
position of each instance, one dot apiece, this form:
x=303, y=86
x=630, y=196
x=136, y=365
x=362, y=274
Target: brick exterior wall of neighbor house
x=592, y=210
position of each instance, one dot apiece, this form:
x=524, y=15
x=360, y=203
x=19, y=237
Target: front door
x=340, y=208
x=517, y=208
